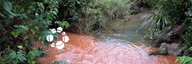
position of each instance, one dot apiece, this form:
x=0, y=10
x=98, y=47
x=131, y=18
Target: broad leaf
x=19, y=29
x=7, y=5
x=15, y=33
x=21, y=57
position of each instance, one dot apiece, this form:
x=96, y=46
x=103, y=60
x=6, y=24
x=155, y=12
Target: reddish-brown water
x=83, y=49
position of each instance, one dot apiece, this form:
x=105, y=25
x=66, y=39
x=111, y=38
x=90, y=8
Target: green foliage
x=30, y=20
x=70, y=9
x=167, y=14
x=19, y=30
x=150, y=3
x=188, y=28
x=187, y=36
x=157, y=25
x=17, y=57
x=34, y=54
x=64, y=24
x=92, y=16
x=185, y=60
x=23, y=22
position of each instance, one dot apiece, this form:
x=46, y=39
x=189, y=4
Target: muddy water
x=115, y=49
x=87, y=50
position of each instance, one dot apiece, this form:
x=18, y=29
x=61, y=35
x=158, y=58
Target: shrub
x=185, y=60
x=92, y=16
x=21, y=23
x=169, y=13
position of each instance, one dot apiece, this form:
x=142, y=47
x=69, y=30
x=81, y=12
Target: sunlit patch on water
x=87, y=50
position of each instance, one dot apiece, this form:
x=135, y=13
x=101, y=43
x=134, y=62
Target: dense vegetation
x=171, y=22
x=92, y=17
x=24, y=21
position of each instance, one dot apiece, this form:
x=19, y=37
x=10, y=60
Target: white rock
x=65, y=38
x=53, y=30
x=59, y=29
x=63, y=33
x=36, y=14
x=53, y=45
x=60, y=45
x=49, y=38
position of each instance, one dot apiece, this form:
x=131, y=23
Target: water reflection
x=87, y=50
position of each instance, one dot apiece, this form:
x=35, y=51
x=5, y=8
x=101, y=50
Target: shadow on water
x=116, y=49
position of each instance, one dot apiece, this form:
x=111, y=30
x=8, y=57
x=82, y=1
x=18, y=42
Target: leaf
x=33, y=31
x=33, y=62
x=15, y=33
x=23, y=16
x=40, y=5
x=20, y=28
x=33, y=54
x=190, y=49
x=54, y=12
x=7, y=5
x=13, y=54
x=64, y=24
x=2, y=15
x=184, y=59
x=20, y=56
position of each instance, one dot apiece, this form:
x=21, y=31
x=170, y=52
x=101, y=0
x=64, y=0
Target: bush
x=92, y=16
x=185, y=60
x=21, y=23
x=169, y=13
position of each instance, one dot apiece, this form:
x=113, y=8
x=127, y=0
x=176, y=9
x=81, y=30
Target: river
x=120, y=48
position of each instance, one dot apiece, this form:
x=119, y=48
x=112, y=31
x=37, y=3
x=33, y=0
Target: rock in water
x=165, y=49
x=174, y=48
x=162, y=50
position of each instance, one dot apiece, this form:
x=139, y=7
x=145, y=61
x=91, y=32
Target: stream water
x=115, y=49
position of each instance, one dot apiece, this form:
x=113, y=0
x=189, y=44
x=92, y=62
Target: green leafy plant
x=16, y=57
x=185, y=60
x=92, y=17
x=23, y=22
x=64, y=24
x=157, y=24
x=21, y=56
x=169, y=13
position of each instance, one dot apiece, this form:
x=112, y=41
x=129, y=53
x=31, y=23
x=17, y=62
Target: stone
x=49, y=38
